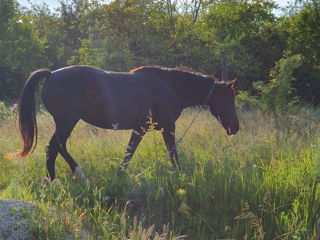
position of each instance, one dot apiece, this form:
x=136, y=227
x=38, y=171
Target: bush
x=246, y=102
x=278, y=95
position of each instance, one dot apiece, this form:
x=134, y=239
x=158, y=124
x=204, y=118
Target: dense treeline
x=121, y=34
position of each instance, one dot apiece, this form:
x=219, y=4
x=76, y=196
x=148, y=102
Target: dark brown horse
x=115, y=100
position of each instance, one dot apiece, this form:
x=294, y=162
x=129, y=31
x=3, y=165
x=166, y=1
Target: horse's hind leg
x=62, y=136
x=52, y=152
x=58, y=144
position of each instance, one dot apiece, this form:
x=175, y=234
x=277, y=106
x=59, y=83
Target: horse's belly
x=114, y=106
x=114, y=124
x=129, y=117
x=116, y=117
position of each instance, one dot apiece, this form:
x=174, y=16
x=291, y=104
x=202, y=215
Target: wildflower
x=181, y=192
x=14, y=108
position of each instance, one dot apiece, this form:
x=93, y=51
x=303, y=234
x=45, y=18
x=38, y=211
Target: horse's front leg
x=168, y=134
x=135, y=139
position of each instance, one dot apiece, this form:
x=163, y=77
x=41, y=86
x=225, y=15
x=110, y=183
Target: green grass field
x=262, y=183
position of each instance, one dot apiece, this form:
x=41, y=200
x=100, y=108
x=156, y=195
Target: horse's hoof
x=121, y=172
x=78, y=174
x=56, y=180
x=47, y=179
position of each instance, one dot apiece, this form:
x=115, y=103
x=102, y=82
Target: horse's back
x=106, y=99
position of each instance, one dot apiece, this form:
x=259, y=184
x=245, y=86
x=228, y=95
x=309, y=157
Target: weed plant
x=262, y=183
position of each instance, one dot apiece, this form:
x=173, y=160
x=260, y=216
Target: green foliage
x=278, y=95
x=304, y=34
x=48, y=26
x=120, y=35
x=246, y=102
x=247, y=34
x=6, y=112
x=21, y=49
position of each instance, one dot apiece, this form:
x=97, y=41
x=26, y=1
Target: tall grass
x=263, y=183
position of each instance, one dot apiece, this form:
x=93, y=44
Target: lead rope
x=192, y=121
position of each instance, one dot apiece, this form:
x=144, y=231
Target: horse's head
x=222, y=106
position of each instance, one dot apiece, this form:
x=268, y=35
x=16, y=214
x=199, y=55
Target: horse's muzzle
x=233, y=129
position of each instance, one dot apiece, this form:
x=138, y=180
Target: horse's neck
x=194, y=90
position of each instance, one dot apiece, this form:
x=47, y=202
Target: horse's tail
x=27, y=113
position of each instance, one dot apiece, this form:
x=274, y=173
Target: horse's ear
x=231, y=83
x=215, y=79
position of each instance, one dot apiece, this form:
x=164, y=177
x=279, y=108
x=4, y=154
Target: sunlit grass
x=263, y=183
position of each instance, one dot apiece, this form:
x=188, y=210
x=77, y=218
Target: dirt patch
x=13, y=224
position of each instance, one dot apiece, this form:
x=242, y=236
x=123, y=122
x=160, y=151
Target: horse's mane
x=182, y=69
x=158, y=68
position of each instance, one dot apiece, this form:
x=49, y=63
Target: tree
x=21, y=50
x=246, y=33
x=304, y=34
